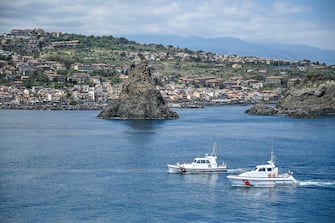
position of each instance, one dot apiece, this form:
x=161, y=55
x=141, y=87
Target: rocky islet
x=139, y=98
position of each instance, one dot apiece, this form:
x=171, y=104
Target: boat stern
x=174, y=168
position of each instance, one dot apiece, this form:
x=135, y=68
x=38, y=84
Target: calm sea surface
x=69, y=166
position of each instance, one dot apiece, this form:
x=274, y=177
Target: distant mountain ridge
x=230, y=45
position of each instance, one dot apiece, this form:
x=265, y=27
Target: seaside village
x=87, y=91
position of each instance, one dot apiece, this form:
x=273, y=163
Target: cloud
x=255, y=20
x=284, y=8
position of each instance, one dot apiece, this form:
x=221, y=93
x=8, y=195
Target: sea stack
x=139, y=98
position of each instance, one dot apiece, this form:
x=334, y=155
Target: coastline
x=52, y=107
x=93, y=106
x=100, y=106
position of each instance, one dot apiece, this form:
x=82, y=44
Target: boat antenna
x=214, y=150
x=273, y=158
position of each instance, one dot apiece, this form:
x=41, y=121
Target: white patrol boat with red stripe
x=205, y=164
x=263, y=176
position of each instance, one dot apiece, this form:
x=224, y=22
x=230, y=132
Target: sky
x=308, y=22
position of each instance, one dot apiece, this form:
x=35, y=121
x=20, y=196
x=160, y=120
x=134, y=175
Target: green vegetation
x=165, y=60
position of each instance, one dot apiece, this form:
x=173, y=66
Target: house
x=233, y=82
x=251, y=82
x=292, y=82
x=82, y=67
x=27, y=71
x=228, y=84
x=212, y=82
x=269, y=95
x=53, y=76
x=186, y=80
x=200, y=80
x=56, y=65
x=80, y=78
x=276, y=80
x=43, y=67
x=255, y=96
x=21, y=32
x=236, y=66
x=69, y=43
x=95, y=79
x=56, y=34
x=5, y=96
x=18, y=84
x=24, y=77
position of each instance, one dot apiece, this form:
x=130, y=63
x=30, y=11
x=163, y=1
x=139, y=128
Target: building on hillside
x=236, y=66
x=292, y=82
x=79, y=78
x=276, y=80
x=82, y=67
x=212, y=82
x=269, y=95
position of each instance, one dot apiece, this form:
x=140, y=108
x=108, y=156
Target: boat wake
x=316, y=183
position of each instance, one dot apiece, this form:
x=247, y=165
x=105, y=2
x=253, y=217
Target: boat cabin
x=199, y=161
x=208, y=161
x=262, y=171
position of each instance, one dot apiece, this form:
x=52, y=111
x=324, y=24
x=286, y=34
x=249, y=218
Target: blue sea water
x=69, y=166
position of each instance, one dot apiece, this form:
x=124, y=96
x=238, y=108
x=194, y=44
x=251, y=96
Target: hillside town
x=30, y=80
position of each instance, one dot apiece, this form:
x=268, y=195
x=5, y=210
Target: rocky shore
x=305, y=101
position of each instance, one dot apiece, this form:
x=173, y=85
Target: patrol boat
x=206, y=164
x=266, y=175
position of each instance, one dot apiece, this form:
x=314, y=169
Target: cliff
x=139, y=98
x=304, y=101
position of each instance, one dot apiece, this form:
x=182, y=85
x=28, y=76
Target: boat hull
x=184, y=169
x=242, y=181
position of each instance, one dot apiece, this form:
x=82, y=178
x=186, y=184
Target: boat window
x=199, y=161
x=202, y=161
x=207, y=161
x=262, y=169
x=194, y=161
x=269, y=169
